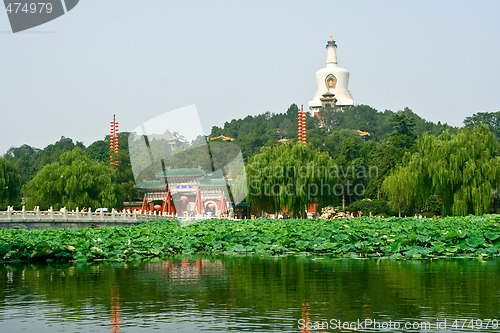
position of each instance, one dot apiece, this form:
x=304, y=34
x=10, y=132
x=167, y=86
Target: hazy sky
x=139, y=59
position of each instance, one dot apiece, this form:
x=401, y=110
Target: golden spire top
x=331, y=38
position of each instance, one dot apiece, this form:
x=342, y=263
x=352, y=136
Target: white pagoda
x=331, y=80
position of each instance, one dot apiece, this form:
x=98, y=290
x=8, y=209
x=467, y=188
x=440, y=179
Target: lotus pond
x=398, y=238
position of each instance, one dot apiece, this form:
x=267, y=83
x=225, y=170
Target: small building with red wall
x=185, y=191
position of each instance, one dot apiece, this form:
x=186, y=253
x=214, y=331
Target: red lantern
x=157, y=207
x=184, y=198
x=211, y=205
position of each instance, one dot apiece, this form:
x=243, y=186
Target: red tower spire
x=304, y=136
x=299, y=123
x=113, y=142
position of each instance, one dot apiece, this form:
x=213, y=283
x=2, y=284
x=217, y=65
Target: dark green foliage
x=75, y=181
x=366, y=206
x=99, y=150
x=124, y=175
x=403, y=135
x=380, y=125
x=29, y=160
x=10, y=184
x=253, y=132
x=492, y=119
x=23, y=158
x=434, y=205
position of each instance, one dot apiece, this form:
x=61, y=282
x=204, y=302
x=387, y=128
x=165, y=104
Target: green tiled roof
x=151, y=184
x=192, y=172
x=160, y=184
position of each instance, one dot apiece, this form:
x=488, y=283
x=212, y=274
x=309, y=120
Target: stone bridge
x=51, y=219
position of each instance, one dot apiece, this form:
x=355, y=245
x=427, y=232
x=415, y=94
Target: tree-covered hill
x=253, y=132
x=354, y=139
x=29, y=160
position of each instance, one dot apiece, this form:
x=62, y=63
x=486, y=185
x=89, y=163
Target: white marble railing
x=77, y=215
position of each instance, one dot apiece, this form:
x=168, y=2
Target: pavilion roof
x=161, y=184
x=151, y=184
x=222, y=137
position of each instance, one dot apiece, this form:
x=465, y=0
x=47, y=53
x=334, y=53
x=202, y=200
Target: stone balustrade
x=36, y=219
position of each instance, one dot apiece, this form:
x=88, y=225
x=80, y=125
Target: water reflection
x=243, y=294
x=306, y=320
x=115, y=310
x=186, y=271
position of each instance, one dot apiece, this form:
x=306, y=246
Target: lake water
x=253, y=294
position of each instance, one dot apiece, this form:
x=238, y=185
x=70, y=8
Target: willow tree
x=9, y=184
x=399, y=187
x=76, y=181
x=290, y=176
x=462, y=169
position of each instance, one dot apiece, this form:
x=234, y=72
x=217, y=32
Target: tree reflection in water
x=242, y=293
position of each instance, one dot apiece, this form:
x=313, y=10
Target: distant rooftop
x=161, y=184
x=182, y=172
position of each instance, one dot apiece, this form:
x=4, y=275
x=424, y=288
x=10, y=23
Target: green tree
x=462, y=169
x=29, y=160
x=75, y=181
x=399, y=188
x=404, y=131
x=367, y=206
x=492, y=119
x=290, y=176
x=10, y=184
x=23, y=159
x=99, y=150
x=381, y=157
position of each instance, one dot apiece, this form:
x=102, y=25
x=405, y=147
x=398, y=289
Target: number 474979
x=475, y=324
x=31, y=8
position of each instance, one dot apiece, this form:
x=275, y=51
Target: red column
x=144, y=205
x=113, y=141
x=299, y=123
x=304, y=135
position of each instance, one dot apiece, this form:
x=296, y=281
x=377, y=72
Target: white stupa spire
x=332, y=79
x=331, y=53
